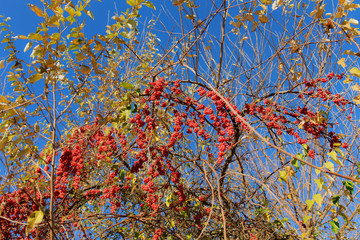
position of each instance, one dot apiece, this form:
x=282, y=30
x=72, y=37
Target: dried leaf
x=263, y=18
x=36, y=9
x=178, y=2
x=349, y=52
x=85, y=69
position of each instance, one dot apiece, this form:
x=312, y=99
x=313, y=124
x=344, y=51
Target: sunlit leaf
x=318, y=199
x=319, y=182
x=178, y=2
x=330, y=166
x=35, y=217
x=127, y=85
x=306, y=218
x=310, y=203
x=34, y=78
x=36, y=9
x=349, y=186
x=334, y=157
x=335, y=226
x=342, y=62
x=89, y=13
x=283, y=175
x=149, y=4
x=357, y=99
x=355, y=72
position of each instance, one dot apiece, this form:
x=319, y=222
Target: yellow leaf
x=70, y=10
x=283, y=175
x=2, y=63
x=36, y=9
x=357, y=99
x=178, y=2
x=318, y=199
x=356, y=87
x=34, y=78
x=355, y=72
x=35, y=217
x=342, y=63
x=347, y=80
x=330, y=166
x=334, y=157
x=310, y=203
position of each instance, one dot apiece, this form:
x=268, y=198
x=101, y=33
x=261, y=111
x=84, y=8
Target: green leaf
x=127, y=85
x=149, y=4
x=310, y=203
x=335, y=200
x=122, y=174
x=35, y=217
x=342, y=213
x=319, y=182
x=126, y=114
x=295, y=163
x=301, y=156
x=335, y=226
x=306, y=218
x=283, y=175
x=349, y=186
